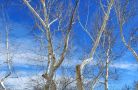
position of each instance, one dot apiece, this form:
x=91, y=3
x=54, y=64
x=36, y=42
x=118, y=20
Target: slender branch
x=97, y=77
x=106, y=17
x=34, y=12
x=127, y=45
x=87, y=14
x=67, y=36
x=45, y=11
x=52, y=22
x=84, y=28
x=102, y=7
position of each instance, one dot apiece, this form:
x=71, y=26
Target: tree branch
x=67, y=36
x=128, y=46
x=106, y=17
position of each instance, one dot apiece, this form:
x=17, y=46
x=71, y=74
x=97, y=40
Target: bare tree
x=80, y=67
x=53, y=63
x=8, y=54
x=123, y=15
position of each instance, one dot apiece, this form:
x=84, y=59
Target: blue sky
x=22, y=45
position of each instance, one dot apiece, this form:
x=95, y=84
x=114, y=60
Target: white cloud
x=127, y=66
x=23, y=82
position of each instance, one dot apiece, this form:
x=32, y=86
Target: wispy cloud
x=127, y=66
x=23, y=83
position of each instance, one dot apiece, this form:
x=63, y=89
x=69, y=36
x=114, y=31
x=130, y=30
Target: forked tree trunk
x=80, y=67
x=50, y=85
x=54, y=63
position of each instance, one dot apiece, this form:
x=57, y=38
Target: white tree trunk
x=105, y=19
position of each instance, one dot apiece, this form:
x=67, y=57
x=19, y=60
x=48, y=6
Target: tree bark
x=107, y=74
x=86, y=61
x=50, y=85
x=107, y=63
x=79, y=79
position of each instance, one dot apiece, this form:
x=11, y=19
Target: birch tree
x=79, y=68
x=45, y=22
